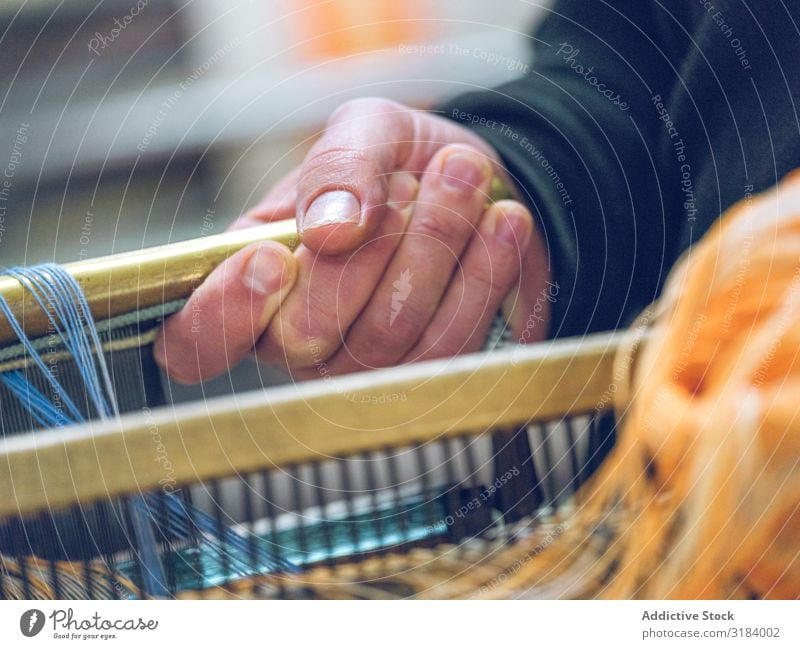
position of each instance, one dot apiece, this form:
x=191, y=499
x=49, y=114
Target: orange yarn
x=701, y=496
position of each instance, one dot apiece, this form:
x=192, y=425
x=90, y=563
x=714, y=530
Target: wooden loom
x=299, y=428
x=441, y=479
x=327, y=472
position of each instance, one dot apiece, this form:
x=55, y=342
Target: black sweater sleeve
x=579, y=133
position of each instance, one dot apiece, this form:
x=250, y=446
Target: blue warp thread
x=62, y=300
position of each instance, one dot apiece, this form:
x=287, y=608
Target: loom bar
x=292, y=424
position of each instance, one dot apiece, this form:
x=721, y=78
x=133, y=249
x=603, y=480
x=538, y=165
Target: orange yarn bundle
x=701, y=496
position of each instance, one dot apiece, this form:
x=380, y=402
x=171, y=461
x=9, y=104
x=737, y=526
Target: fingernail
x=464, y=172
x=264, y=272
x=332, y=208
x=402, y=190
x=510, y=229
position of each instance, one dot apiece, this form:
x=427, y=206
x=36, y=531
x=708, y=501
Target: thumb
x=226, y=316
x=344, y=180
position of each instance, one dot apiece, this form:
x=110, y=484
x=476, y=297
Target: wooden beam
x=327, y=418
x=130, y=281
x=127, y=282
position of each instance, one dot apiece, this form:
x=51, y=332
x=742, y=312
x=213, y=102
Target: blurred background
x=128, y=123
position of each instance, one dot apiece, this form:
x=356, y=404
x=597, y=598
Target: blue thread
x=75, y=414
x=40, y=407
x=61, y=298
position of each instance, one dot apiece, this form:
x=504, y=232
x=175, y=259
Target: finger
x=278, y=204
x=332, y=290
x=343, y=184
x=452, y=198
x=227, y=315
x=527, y=308
x=489, y=270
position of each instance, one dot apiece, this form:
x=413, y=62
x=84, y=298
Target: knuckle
x=443, y=347
x=511, y=205
x=299, y=343
x=338, y=167
x=441, y=226
x=286, y=343
x=383, y=342
x=449, y=149
x=362, y=106
x=492, y=280
x=401, y=328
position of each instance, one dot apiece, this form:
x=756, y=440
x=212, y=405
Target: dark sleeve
x=579, y=134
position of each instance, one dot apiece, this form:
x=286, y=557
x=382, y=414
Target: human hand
x=401, y=259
